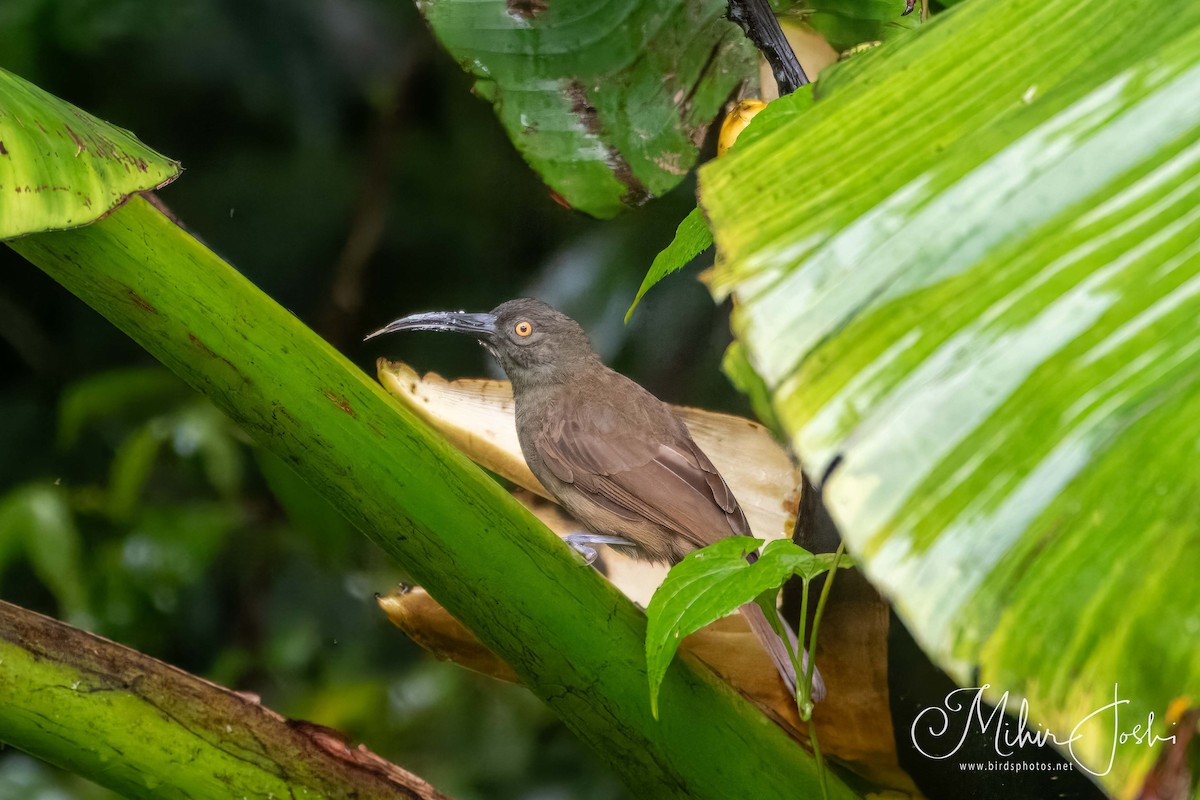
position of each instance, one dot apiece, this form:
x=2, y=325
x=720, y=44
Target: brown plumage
x=635, y=470
x=616, y=457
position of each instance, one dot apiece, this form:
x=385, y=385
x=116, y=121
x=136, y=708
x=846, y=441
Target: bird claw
x=588, y=553
x=582, y=543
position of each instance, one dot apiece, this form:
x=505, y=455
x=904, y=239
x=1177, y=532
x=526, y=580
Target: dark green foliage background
x=129, y=506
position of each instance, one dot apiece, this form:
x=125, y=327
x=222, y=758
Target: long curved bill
x=481, y=326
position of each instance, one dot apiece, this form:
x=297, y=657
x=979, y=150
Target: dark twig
x=758, y=21
x=339, y=320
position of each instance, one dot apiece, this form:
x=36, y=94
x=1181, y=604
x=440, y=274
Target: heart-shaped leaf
x=714, y=582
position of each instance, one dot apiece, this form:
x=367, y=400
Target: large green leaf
x=976, y=300
x=61, y=167
x=607, y=101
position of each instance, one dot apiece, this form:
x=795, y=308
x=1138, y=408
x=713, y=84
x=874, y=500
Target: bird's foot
x=582, y=543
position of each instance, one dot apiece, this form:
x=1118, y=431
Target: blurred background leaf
x=36, y=520
x=116, y=396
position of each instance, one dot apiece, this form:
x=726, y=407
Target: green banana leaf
x=970, y=279
x=61, y=167
x=608, y=102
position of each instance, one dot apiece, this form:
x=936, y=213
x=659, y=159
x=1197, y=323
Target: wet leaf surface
x=976, y=301
x=607, y=102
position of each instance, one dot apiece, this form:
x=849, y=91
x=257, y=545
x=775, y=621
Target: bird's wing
x=662, y=477
x=655, y=472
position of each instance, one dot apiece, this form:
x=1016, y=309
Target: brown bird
x=614, y=455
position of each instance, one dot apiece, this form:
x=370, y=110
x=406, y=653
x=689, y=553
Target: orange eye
x=523, y=328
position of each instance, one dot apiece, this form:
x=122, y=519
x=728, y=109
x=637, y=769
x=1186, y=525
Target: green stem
x=804, y=690
x=812, y=645
x=816, y=626
x=148, y=730
x=812, y=657
x=820, y=759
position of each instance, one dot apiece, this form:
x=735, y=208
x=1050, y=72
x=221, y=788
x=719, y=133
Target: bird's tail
x=778, y=652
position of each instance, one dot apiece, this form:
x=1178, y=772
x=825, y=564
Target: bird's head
x=533, y=342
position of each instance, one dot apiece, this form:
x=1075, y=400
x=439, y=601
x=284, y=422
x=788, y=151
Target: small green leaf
x=785, y=558
x=712, y=583
x=692, y=238
x=60, y=167
x=706, y=585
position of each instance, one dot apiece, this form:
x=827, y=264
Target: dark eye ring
x=523, y=328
